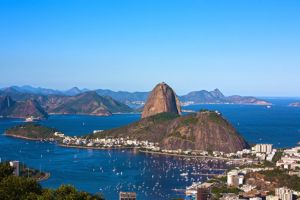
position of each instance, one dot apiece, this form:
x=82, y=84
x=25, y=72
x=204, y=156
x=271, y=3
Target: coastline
x=93, y=148
x=125, y=148
x=183, y=155
x=24, y=138
x=47, y=176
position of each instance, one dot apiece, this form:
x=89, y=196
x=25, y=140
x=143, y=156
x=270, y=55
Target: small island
x=32, y=131
x=295, y=104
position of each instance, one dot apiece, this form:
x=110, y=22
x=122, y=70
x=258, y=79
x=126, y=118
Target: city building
x=284, y=193
x=234, y=178
x=127, y=196
x=263, y=148
x=202, y=193
x=16, y=165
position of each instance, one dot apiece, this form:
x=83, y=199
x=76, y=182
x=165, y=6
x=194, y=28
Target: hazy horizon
x=241, y=47
x=120, y=90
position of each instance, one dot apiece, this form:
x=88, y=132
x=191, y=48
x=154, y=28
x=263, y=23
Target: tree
x=15, y=188
x=5, y=170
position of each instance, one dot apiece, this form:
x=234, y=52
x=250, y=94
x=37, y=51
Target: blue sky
x=248, y=47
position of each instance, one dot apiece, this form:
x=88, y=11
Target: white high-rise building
x=16, y=165
x=263, y=148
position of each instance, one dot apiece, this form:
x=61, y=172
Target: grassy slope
x=31, y=130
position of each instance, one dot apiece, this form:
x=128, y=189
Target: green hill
x=31, y=131
x=204, y=130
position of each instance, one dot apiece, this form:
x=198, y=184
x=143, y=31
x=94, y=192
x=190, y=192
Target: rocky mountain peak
x=161, y=99
x=217, y=93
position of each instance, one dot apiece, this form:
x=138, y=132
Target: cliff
x=161, y=99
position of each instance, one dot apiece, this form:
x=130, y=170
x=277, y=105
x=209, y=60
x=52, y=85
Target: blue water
x=279, y=125
x=152, y=177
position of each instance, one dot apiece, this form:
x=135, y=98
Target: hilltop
x=205, y=130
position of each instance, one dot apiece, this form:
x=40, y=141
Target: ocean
x=151, y=176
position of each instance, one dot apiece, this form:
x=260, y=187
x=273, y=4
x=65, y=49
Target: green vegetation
x=177, y=134
x=222, y=179
x=32, y=131
x=218, y=191
x=15, y=188
x=215, y=117
x=190, y=119
x=282, y=178
x=277, y=156
x=161, y=117
x=204, y=110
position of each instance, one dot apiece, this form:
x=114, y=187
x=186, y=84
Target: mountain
x=161, y=99
x=73, y=91
x=216, y=96
x=123, y=96
x=27, y=89
x=21, y=109
x=85, y=103
x=134, y=99
x=203, y=96
x=236, y=99
x=32, y=90
x=205, y=130
x=89, y=103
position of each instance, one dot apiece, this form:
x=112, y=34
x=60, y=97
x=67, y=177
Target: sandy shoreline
x=23, y=137
x=94, y=148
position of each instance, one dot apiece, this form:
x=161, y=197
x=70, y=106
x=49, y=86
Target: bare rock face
x=162, y=99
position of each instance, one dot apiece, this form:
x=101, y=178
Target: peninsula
x=32, y=131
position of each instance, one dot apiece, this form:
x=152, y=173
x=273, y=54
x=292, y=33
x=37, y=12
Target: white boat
x=184, y=174
x=29, y=119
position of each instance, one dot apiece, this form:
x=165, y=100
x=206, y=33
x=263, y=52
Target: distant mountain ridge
x=38, y=106
x=42, y=91
x=134, y=98
x=85, y=103
x=123, y=96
